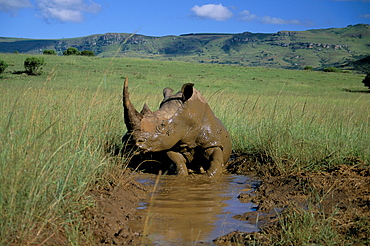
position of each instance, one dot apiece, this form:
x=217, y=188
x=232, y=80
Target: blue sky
x=49, y=19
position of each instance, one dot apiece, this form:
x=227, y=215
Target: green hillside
x=285, y=49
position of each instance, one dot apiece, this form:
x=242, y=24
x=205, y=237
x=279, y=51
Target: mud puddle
x=184, y=211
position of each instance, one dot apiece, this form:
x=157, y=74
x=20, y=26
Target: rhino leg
x=215, y=157
x=179, y=161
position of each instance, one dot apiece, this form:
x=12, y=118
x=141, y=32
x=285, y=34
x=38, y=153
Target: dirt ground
x=343, y=193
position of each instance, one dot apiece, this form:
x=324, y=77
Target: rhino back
x=203, y=128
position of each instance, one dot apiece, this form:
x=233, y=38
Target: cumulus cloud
x=279, y=21
x=14, y=5
x=247, y=16
x=212, y=11
x=66, y=10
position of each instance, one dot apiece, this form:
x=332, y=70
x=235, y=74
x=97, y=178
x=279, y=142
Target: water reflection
x=194, y=209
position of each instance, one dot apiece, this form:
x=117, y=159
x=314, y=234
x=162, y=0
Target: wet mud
x=194, y=209
x=124, y=214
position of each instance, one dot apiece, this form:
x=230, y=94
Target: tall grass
x=55, y=127
x=301, y=133
x=304, y=227
x=51, y=151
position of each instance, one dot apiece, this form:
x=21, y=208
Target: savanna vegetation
x=49, y=52
x=72, y=51
x=33, y=65
x=3, y=66
x=366, y=81
x=56, y=129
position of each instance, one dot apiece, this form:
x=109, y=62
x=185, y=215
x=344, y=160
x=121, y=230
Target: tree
x=71, y=51
x=366, y=80
x=87, y=53
x=3, y=66
x=49, y=52
x=332, y=70
x=33, y=65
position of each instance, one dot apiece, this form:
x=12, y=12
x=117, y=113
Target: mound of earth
x=342, y=193
x=116, y=205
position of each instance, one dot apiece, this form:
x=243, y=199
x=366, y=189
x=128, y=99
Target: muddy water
x=183, y=211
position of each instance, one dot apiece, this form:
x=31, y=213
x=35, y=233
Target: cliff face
x=286, y=49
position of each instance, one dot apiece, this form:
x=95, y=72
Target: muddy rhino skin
x=184, y=128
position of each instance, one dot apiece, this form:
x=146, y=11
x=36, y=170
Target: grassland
x=55, y=128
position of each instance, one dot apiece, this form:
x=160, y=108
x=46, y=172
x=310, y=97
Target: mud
x=193, y=209
x=343, y=193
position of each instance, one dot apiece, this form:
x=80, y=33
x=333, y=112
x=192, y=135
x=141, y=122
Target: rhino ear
x=187, y=91
x=167, y=92
x=145, y=110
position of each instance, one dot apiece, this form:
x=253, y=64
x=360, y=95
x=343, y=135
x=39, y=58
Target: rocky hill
x=285, y=49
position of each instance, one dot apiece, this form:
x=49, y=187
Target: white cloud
x=212, y=11
x=66, y=10
x=365, y=16
x=279, y=21
x=247, y=16
x=14, y=5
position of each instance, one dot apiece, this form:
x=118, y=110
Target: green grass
x=55, y=128
x=304, y=227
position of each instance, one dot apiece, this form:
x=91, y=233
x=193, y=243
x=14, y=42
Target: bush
x=49, y=52
x=366, y=80
x=87, y=53
x=3, y=66
x=71, y=51
x=309, y=68
x=332, y=70
x=33, y=65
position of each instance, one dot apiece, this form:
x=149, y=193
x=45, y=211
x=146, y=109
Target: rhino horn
x=145, y=110
x=131, y=115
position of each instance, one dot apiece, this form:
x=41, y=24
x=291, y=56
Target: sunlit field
x=56, y=128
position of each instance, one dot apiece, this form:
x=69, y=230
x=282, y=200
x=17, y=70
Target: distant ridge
x=202, y=34
x=317, y=48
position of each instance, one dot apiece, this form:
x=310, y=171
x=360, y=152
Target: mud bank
x=340, y=196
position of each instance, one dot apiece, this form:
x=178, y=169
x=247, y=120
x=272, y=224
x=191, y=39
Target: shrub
x=3, y=66
x=71, y=51
x=87, y=53
x=33, y=65
x=332, y=70
x=49, y=52
x=309, y=68
x=366, y=80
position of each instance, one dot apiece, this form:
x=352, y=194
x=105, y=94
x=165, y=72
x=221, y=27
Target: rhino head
x=183, y=127
x=146, y=122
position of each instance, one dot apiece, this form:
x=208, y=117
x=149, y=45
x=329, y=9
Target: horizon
x=58, y=19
